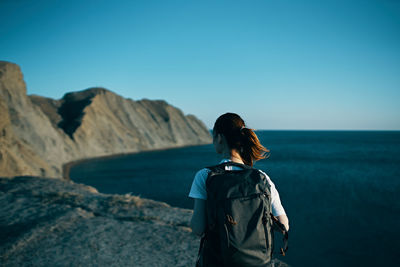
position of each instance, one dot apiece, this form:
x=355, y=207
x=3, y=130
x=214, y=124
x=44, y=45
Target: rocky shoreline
x=39, y=134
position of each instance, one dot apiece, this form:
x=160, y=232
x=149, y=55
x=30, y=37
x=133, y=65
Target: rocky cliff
x=38, y=135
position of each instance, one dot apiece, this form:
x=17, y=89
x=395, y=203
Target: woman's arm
x=283, y=219
x=198, y=222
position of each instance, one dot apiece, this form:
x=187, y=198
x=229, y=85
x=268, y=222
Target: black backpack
x=239, y=230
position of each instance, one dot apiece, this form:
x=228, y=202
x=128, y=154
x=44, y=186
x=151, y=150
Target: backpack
x=239, y=228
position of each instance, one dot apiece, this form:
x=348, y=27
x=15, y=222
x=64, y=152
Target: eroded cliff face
x=15, y=155
x=38, y=135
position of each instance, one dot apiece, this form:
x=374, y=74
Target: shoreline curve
x=66, y=167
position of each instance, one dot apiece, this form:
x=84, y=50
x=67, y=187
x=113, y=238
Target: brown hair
x=238, y=137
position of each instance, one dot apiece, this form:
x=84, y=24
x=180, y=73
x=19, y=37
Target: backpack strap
x=279, y=227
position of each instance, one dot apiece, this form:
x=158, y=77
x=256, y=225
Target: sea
x=340, y=189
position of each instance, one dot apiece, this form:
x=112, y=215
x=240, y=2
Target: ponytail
x=251, y=149
x=238, y=137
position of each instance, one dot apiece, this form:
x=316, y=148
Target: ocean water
x=340, y=189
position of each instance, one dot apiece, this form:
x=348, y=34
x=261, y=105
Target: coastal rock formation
x=29, y=136
x=56, y=222
x=48, y=222
x=38, y=135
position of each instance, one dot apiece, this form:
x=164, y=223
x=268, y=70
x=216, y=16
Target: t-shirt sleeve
x=277, y=208
x=198, y=189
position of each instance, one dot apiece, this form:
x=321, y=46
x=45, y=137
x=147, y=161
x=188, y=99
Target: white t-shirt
x=199, y=191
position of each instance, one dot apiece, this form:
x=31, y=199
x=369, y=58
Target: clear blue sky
x=280, y=64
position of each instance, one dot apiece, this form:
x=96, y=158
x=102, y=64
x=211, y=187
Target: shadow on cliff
x=71, y=109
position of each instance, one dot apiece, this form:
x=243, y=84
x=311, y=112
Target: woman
x=236, y=143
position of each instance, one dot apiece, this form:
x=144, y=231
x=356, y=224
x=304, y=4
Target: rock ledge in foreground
x=47, y=222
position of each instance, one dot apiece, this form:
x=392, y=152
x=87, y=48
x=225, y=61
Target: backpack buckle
x=230, y=220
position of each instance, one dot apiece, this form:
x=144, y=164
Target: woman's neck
x=233, y=155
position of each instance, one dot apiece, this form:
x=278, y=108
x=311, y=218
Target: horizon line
x=329, y=130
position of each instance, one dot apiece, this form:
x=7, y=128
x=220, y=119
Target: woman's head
x=232, y=127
